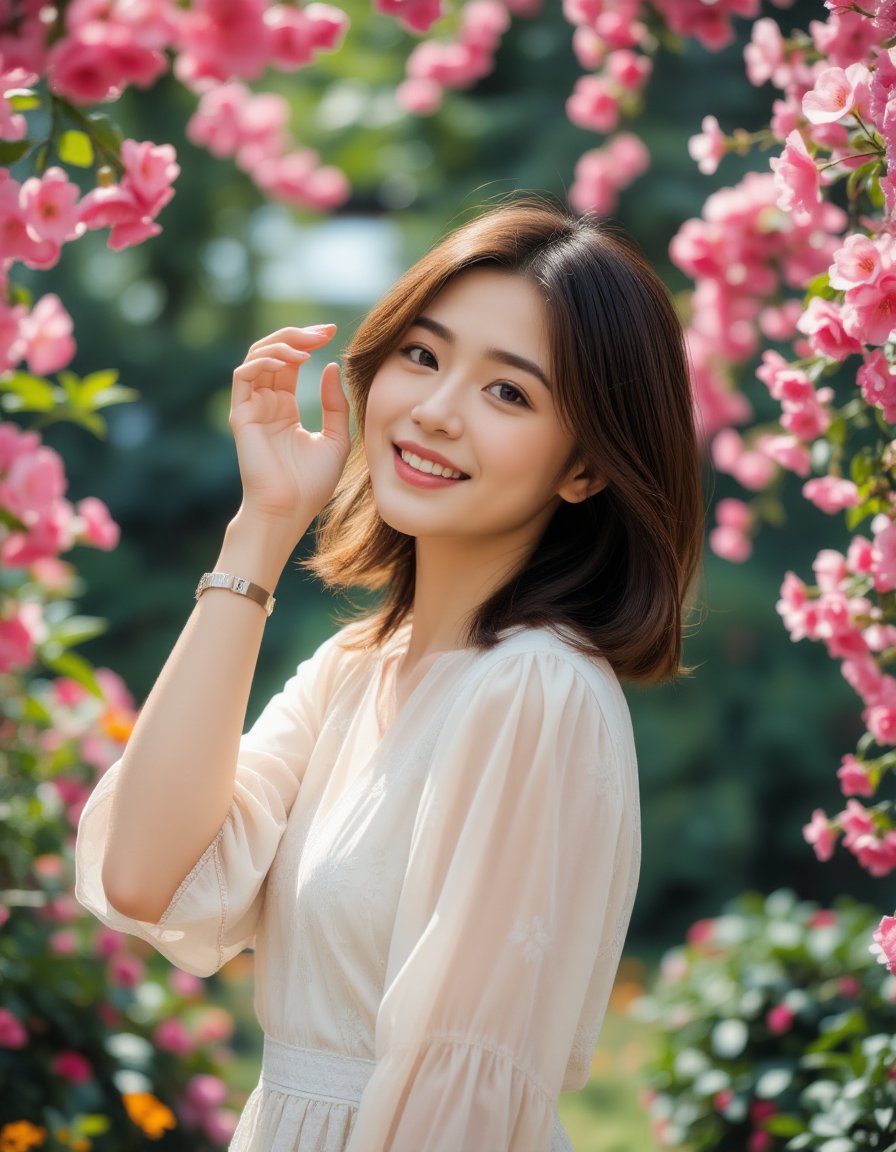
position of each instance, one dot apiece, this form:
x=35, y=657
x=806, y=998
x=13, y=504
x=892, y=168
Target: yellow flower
x=148, y=1113
x=21, y=1136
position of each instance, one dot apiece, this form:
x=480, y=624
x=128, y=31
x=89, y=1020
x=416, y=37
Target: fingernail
x=321, y=327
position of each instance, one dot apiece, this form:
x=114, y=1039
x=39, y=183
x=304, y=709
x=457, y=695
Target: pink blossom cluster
x=230, y=120
x=96, y=49
x=602, y=173
x=32, y=486
x=744, y=252
x=38, y=216
x=436, y=65
x=709, y=24
x=873, y=846
x=202, y=1107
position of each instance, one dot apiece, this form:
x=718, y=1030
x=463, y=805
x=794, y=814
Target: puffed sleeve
x=501, y=917
x=213, y=914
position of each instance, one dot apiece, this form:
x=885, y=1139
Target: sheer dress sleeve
x=213, y=914
x=502, y=919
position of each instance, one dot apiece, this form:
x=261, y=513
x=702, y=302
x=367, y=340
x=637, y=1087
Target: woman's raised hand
x=288, y=473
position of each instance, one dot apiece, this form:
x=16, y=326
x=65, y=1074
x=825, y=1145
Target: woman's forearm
x=177, y=775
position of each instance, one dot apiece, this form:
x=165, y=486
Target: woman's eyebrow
x=498, y=354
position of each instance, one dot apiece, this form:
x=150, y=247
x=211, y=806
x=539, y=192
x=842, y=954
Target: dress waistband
x=341, y=1079
x=314, y=1072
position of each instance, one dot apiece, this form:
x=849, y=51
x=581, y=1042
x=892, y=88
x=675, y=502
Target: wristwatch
x=238, y=584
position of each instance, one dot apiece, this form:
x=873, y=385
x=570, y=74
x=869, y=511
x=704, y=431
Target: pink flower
x=421, y=97
x=857, y=261
x=860, y=555
x=779, y=1019
x=818, y=833
x=878, y=383
x=12, y=1031
x=13, y=125
x=297, y=34
x=822, y=322
x=883, y=556
x=47, y=332
x=125, y=969
x=854, y=778
x=171, y=1036
x=722, y=1100
x=831, y=493
x=417, y=15
x=98, y=528
x=830, y=569
x=796, y=178
x=708, y=148
x=185, y=983
x=150, y=170
x=593, y=104
x=730, y=543
x=701, y=932
x=760, y=1141
x=71, y=1066
x=99, y=59
x=50, y=207
x=836, y=94
x=206, y=1091
x=16, y=644
x=844, y=37
x=628, y=69
x=786, y=451
x=823, y=918
x=884, y=946
x=869, y=311
x=765, y=55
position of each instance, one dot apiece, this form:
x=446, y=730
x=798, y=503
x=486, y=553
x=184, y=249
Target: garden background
x=732, y=760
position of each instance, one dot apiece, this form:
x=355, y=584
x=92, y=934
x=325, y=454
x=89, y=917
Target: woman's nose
x=440, y=412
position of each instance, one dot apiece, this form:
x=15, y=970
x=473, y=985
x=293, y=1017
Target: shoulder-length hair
x=613, y=571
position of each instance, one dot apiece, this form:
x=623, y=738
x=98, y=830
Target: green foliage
x=777, y=1031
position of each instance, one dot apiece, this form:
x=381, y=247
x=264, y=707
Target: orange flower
x=117, y=724
x=148, y=1113
x=21, y=1136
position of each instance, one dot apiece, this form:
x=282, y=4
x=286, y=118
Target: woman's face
x=468, y=392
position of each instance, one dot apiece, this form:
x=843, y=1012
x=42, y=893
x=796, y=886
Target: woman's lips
x=421, y=479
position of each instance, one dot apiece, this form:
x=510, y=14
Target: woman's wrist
x=257, y=548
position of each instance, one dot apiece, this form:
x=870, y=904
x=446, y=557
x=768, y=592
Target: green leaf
x=76, y=667
x=98, y=382
x=819, y=285
x=8, y=520
x=23, y=99
x=12, y=150
x=860, y=176
x=782, y=1125
x=28, y=393
x=116, y=395
x=78, y=630
x=93, y=1125
x=861, y=467
x=105, y=131
x=75, y=147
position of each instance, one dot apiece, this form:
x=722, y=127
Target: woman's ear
x=580, y=483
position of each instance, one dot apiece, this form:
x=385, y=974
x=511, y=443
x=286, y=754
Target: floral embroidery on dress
x=534, y=937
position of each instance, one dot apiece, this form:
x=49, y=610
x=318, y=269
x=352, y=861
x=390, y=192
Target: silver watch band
x=238, y=584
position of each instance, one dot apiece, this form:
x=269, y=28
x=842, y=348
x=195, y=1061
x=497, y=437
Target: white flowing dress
x=437, y=896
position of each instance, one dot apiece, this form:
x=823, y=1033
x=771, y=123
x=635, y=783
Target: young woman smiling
x=431, y=834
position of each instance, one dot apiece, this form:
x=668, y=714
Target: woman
x=431, y=835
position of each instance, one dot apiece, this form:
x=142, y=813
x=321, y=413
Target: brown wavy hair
x=615, y=570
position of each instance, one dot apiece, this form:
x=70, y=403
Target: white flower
x=534, y=937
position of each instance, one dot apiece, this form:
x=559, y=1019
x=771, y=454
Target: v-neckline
x=386, y=709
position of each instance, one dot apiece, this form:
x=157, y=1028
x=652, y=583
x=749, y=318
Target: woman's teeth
x=428, y=467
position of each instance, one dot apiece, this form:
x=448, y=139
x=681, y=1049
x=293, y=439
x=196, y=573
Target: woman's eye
x=417, y=354
x=509, y=393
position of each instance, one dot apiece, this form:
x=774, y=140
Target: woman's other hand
x=288, y=473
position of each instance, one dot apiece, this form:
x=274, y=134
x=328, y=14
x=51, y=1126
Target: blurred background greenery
x=733, y=759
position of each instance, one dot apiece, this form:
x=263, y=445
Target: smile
x=424, y=473
x=429, y=467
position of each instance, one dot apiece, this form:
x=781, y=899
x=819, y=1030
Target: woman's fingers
x=309, y=338
x=246, y=376
x=334, y=404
